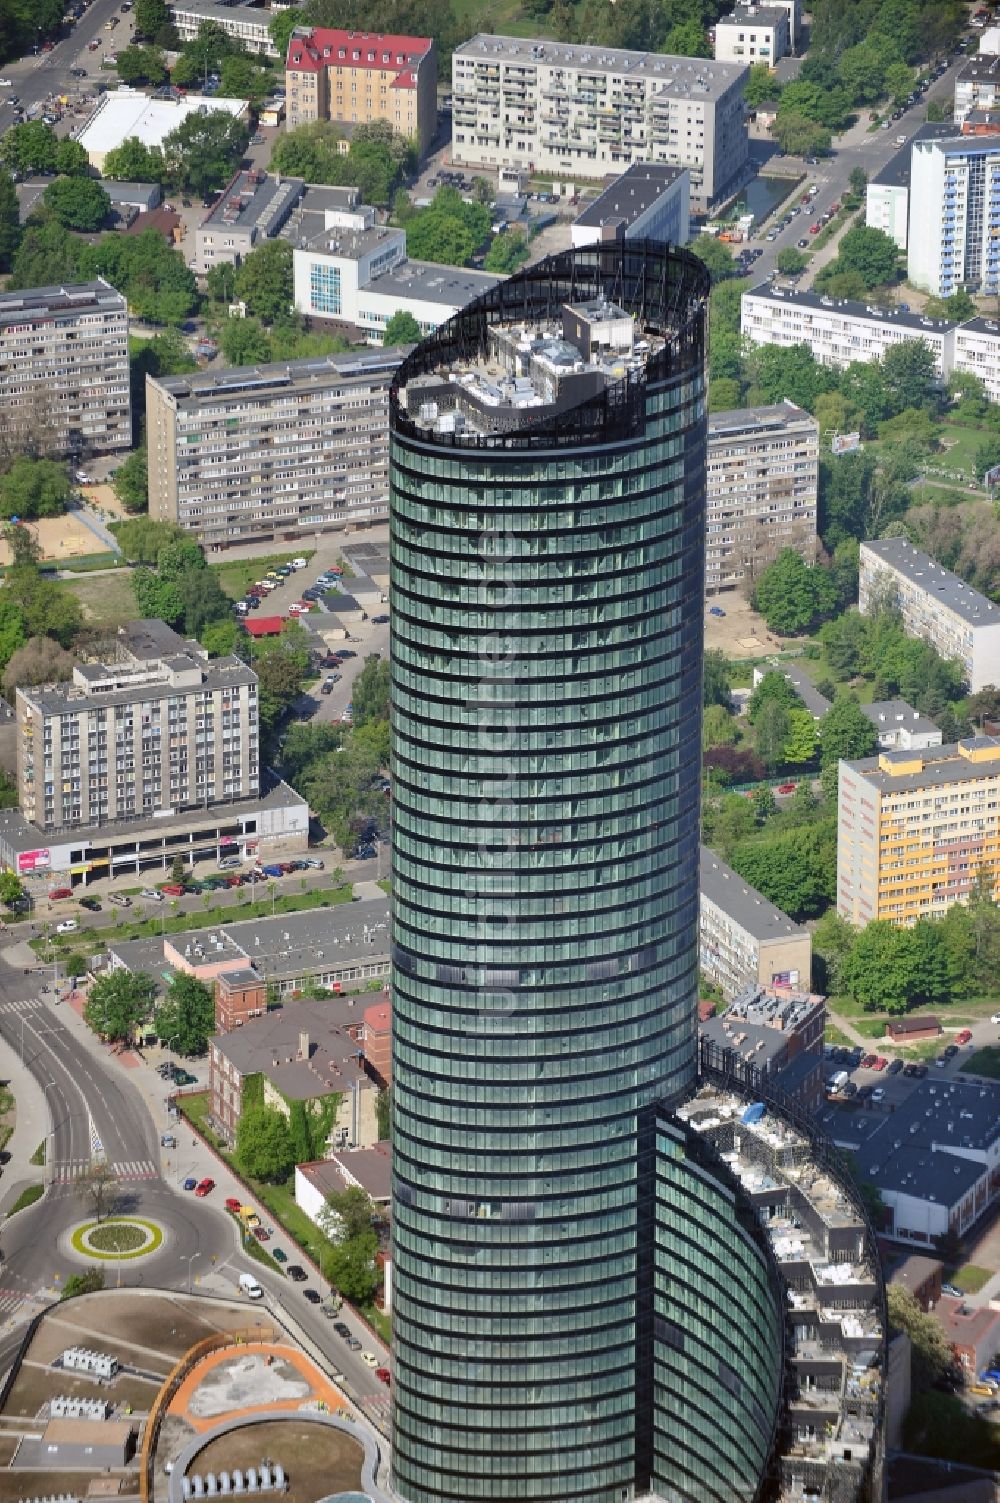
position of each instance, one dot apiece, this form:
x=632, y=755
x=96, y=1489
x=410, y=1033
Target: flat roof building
x=977, y=86
x=935, y=604
x=780, y=1032
x=840, y=331
x=583, y=111
x=977, y=351
x=915, y=829
x=355, y=77
x=753, y=34
x=244, y=23
x=887, y=196
x=745, y=941
x=955, y=215
x=64, y=371
x=649, y=201
x=319, y=427
x=253, y=206
x=118, y=116
x=365, y=1169
x=763, y=476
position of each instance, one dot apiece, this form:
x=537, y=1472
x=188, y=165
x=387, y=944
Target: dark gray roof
x=252, y=198
x=71, y=298
x=980, y=326
x=682, y=77
x=921, y=326
x=939, y=764
x=631, y=194
x=940, y=583
x=144, y=196
x=984, y=66
x=449, y=285
x=750, y=420
x=749, y=15
x=270, y=1046
x=151, y=638
x=895, y=712
x=246, y=381
x=894, y=1165
x=816, y=703
x=748, y=908
x=294, y=944
x=896, y=172
x=371, y=1167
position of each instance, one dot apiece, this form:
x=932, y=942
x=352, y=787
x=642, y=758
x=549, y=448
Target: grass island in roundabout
x=117, y=1237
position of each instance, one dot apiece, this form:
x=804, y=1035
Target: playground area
x=58, y=538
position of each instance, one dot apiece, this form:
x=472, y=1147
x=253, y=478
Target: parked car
x=714, y=610
x=342, y=1330
x=950, y=1289
x=384, y=620
x=787, y=787
x=369, y=1359
x=119, y=899
x=312, y=1296
x=296, y=1273
x=205, y=1187
x=383, y=1375
x=61, y=892
x=190, y=1183
x=227, y=863
x=173, y=890
x=68, y=926
x=878, y=1094
x=278, y=1255
x=895, y=1065
x=151, y=895
x=880, y=1062
x=868, y=1062
x=964, y=1037
x=91, y=905
x=233, y=1204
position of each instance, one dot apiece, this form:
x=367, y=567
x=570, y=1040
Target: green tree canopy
x=402, y=328
x=46, y=608
x=10, y=220
x=846, y=733
x=119, y=1004
x=79, y=203
x=34, y=488
x=773, y=687
x=202, y=152
x=508, y=251
x=185, y=1020
x=141, y=65
x=871, y=253
x=449, y=230
x=930, y=1353
x=39, y=660
x=264, y=1144
x=71, y=158
x=350, y=1267
x=245, y=78
x=795, y=869
x=716, y=681
x=134, y=162
x=800, y=743
x=131, y=482
x=281, y=26
x=794, y=596
x=791, y=260
x=264, y=281
x=30, y=147
x=716, y=255
x=347, y=1215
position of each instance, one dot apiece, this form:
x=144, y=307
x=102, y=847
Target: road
x=857, y=147
x=36, y=78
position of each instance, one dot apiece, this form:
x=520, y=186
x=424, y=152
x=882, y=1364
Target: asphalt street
x=35, y=78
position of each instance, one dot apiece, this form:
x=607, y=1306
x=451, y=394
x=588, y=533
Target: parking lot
x=879, y=1080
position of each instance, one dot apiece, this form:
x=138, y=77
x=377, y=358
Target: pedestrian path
x=20, y=1005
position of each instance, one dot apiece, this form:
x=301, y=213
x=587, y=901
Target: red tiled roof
x=265, y=626
x=325, y=47
x=378, y=1016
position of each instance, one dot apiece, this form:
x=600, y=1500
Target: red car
x=782, y=788
x=834, y=208
x=234, y=881
x=868, y=1063
x=232, y=1204
x=262, y=1234
x=383, y=1375
x=814, y=229
x=61, y=892
x=205, y=1187
x=963, y=1037
x=172, y=889
x=880, y=1062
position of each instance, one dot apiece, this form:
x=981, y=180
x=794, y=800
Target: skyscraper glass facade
x=547, y=547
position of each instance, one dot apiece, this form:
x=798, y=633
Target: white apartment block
x=977, y=350
x=753, y=34
x=977, y=87
x=158, y=730
x=743, y=939
x=887, y=197
x=954, y=238
x=271, y=451
x=763, y=470
x=935, y=605
x=244, y=22
x=839, y=330
x=589, y=112
x=64, y=376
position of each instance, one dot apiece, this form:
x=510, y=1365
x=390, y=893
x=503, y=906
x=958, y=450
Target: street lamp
x=189, y=1261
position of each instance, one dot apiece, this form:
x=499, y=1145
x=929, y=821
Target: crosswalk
x=123, y=1169
x=20, y=1005
x=12, y=1301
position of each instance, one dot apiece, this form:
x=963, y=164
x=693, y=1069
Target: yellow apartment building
x=915, y=828
x=355, y=77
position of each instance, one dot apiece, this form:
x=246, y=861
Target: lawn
x=984, y=1062
x=26, y=1198
x=236, y=576
x=961, y=441
x=971, y=1278
x=105, y=598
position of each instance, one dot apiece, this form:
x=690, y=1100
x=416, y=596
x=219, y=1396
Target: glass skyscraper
x=547, y=544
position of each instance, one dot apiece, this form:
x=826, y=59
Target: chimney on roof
x=303, y=1045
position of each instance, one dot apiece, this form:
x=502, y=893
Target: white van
x=250, y=1287
x=837, y=1082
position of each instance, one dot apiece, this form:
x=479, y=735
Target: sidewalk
x=31, y=1127
x=849, y=1030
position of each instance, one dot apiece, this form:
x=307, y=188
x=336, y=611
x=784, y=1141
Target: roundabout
x=117, y=1238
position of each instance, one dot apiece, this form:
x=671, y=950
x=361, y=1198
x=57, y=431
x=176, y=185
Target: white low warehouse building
x=128, y=113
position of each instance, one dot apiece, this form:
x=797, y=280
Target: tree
x=791, y=260
x=760, y=86
x=800, y=742
x=134, y=162
x=264, y=1144
x=718, y=727
x=792, y=595
x=156, y=598
x=716, y=256
x=221, y=282
x=281, y=26
x=39, y=661
x=264, y=281
x=764, y=804
x=131, y=481
x=10, y=221
x=34, y=488
x=29, y=148
x=859, y=181
x=346, y=1215
x=793, y=372
x=245, y=78
x=794, y=869
x=203, y=601
x=350, y=1267
x=186, y=1017
x=716, y=688
x=930, y=1353
x=881, y=971
x=508, y=251
x=71, y=158
x=402, y=328
x=177, y=555
x=370, y=695
x=798, y=136
x=204, y=53
x=119, y=1004
x=201, y=153
x=771, y=733
x=156, y=280
x=100, y=1188
x=89, y=1282
x=987, y=457
x=774, y=686
x=75, y=965
x=220, y=639
x=846, y=733
x=79, y=203
x=909, y=375
x=141, y=65
x=11, y=888
x=244, y=342
x=150, y=17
